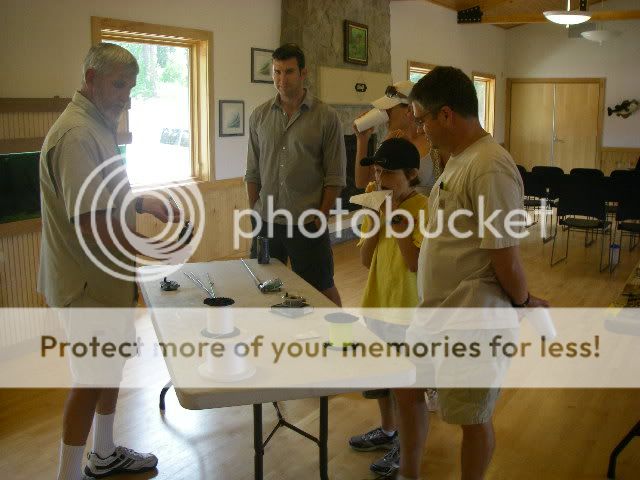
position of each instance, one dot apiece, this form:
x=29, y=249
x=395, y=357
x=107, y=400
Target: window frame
x=419, y=67
x=200, y=45
x=490, y=98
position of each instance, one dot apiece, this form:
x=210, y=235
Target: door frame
x=600, y=81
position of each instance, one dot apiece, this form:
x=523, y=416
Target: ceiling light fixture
x=568, y=17
x=600, y=34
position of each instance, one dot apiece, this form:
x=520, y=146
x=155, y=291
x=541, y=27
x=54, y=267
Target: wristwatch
x=522, y=305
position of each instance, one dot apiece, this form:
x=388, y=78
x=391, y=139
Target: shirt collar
x=88, y=106
x=307, y=101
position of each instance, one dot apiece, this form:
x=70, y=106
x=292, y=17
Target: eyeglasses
x=419, y=121
x=392, y=92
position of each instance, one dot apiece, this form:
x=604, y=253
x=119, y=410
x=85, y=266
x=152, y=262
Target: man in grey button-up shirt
x=297, y=160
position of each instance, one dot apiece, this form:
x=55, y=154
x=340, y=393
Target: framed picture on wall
x=261, y=65
x=231, y=118
x=356, y=43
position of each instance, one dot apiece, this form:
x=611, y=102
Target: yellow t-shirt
x=390, y=283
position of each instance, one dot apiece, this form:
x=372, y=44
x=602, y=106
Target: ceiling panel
x=507, y=8
x=503, y=7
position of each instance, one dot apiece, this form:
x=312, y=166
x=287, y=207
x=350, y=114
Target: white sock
x=70, y=467
x=103, y=434
x=388, y=434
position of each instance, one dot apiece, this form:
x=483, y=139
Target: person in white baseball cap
x=394, y=95
x=395, y=103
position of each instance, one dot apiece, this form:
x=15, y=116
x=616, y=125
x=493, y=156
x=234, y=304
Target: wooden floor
x=541, y=434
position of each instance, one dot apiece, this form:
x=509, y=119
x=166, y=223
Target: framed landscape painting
x=261, y=65
x=231, y=118
x=356, y=43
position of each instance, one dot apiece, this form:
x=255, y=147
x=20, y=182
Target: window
x=169, y=118
x=485, y=84
x=417, y=70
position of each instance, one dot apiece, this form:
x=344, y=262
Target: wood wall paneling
x=617, y=158
x=19, y=257
x=20, y=247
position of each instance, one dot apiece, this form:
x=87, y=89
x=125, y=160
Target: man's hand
x=537, y=302
x=181, y=255
x=159, y=209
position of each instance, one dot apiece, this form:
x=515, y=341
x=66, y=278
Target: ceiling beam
x=540, y=18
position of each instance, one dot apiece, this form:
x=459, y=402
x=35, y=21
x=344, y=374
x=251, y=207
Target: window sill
x=202, y=185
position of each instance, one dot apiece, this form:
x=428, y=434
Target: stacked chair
x=532, y=193
x=626, y=184
x=546, y=181
x=586, y=201
x=582, y=206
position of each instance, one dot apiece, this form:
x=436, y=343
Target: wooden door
x=555, y=122
x=531, y=131
x=576, y=125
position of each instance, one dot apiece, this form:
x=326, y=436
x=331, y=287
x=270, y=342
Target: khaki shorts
x=106, y=325
x=467, y=389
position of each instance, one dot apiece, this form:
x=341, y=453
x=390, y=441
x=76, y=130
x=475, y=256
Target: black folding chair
x=581, y=207
x=611, y=194
x=545, y=183
x=627, y=184
x=587, y=172
x=595, y=173
x=532, y=192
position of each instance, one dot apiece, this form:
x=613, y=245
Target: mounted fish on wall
x=624, y=109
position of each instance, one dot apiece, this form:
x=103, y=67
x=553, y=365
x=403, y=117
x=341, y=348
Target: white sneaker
x=122, y=460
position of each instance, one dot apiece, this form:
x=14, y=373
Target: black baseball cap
x=394, y=154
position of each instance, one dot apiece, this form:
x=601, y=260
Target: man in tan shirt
x=80, y=143
x=468, y=264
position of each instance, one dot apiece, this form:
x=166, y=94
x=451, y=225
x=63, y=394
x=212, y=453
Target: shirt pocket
x=451, y=205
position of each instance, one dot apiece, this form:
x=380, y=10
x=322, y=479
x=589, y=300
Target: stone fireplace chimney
x=317, y=26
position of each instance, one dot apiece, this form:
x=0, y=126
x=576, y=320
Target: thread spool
x=341, y=329
x=220, y=321
x=230, y=366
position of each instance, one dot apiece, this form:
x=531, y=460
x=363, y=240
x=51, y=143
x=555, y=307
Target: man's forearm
x=253, y=192
x=510, y=273
x=101, y=231
x=329, y=195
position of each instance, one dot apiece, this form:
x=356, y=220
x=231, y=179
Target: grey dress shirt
x=293, y=159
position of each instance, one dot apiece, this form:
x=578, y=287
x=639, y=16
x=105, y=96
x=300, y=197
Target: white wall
x=428, y=33
x=544, y=50
x=43, y=43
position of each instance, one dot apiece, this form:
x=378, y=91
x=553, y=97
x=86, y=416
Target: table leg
x=634, y=432
x=163, y=393
x=324, y=437
x=257, y=441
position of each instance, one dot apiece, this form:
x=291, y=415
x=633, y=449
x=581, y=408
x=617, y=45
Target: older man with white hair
x=80, y=143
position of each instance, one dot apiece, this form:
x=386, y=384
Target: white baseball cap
x=394, y=95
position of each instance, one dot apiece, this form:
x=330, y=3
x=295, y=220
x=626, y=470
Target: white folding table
x=232, y=280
